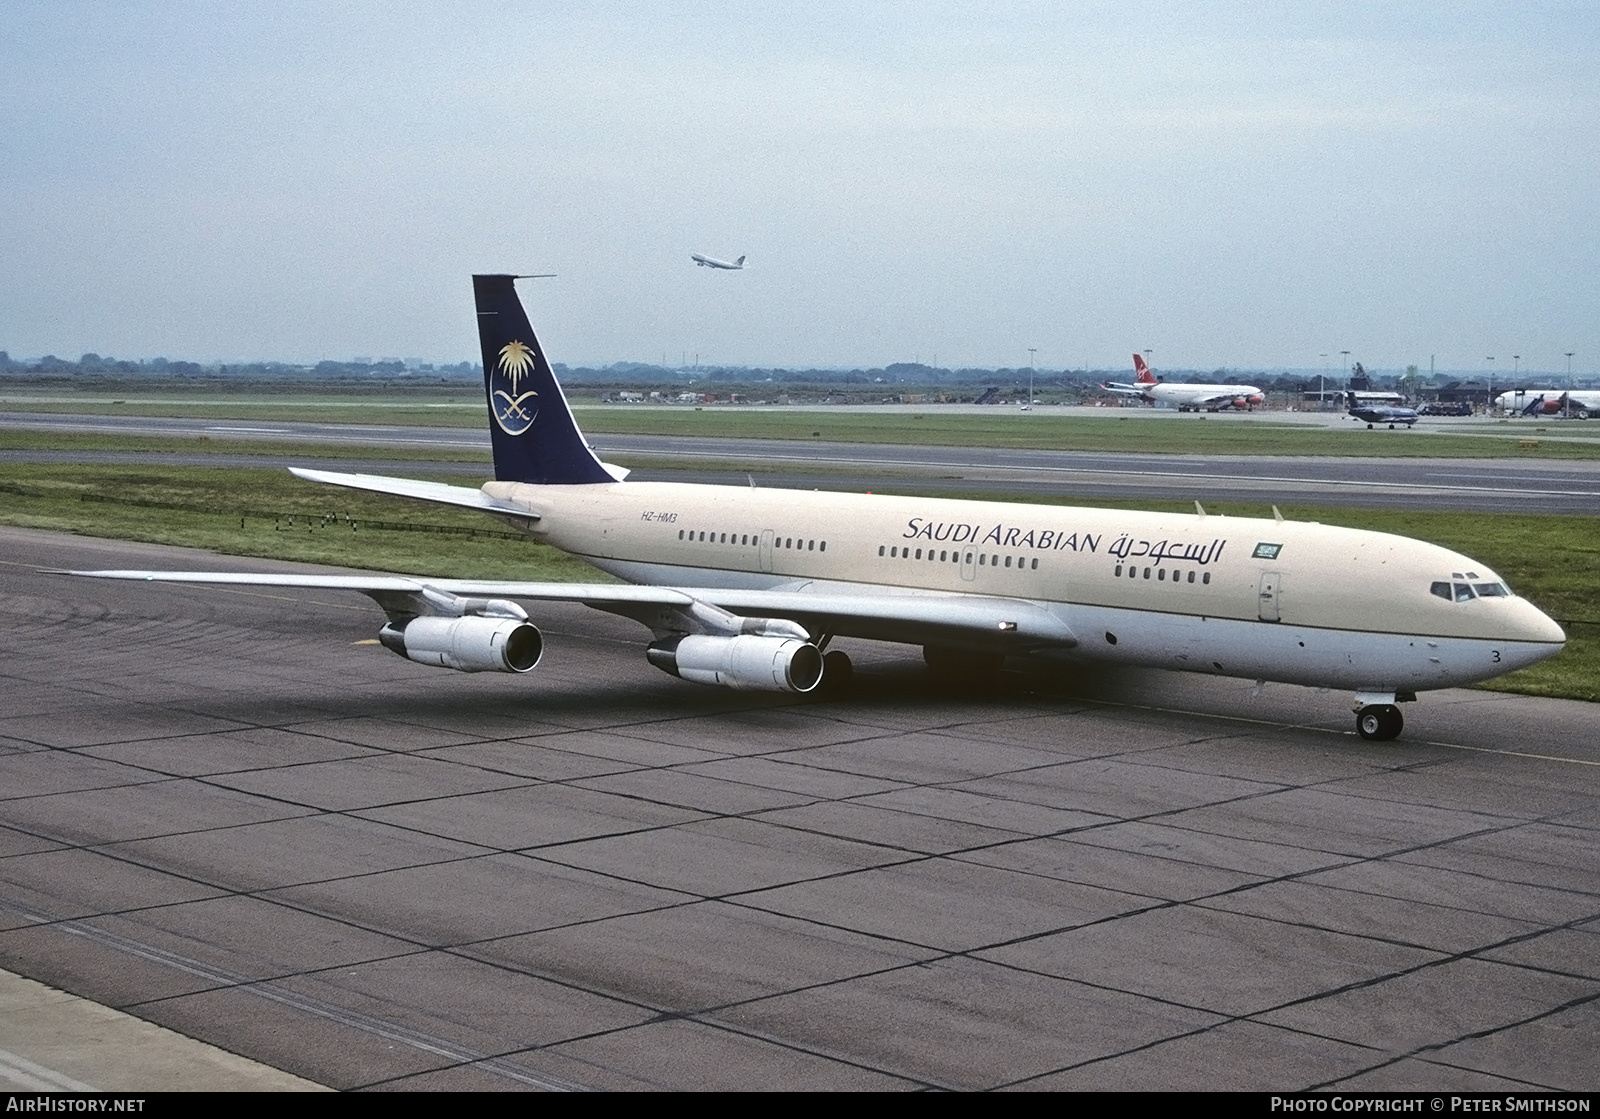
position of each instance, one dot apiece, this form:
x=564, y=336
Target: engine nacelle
x=469, y=644
x=747, y=662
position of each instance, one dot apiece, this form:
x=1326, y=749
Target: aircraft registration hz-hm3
x=745, y=587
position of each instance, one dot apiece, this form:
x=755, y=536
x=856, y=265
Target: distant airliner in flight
x=745, y=587
x=1188, y=398
x=713, y=262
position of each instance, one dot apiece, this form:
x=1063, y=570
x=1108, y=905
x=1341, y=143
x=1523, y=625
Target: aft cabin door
x=766, y=550
x=1271, y=590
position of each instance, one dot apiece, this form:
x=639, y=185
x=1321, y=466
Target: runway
x=1483, y=485
x=228, y=813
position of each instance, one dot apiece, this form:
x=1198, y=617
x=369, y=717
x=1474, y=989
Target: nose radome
x=1533, y=624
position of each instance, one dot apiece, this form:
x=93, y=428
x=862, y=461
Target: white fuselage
x=1287, y=601
x=1199, y=396
x=1586, y=400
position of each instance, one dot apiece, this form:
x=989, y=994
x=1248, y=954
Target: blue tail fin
x=534, y=436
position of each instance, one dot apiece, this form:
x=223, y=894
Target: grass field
x=22, y=439
x=1554, y=561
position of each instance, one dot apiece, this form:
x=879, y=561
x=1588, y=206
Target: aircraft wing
x=877, y=613
x=1127, y=390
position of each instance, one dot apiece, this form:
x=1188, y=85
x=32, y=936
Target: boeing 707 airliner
x=746, y=587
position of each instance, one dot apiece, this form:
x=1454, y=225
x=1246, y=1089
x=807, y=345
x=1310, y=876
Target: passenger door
x=766, y=550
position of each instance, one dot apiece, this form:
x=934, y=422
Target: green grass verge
x=1142, y=434
x=271, y=513
x=1552, y=560
x=71, y=442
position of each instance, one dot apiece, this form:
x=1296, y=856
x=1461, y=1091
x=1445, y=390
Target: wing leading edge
x=876, y=613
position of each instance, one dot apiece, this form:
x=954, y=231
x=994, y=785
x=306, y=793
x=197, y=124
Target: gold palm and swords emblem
x=511, y=409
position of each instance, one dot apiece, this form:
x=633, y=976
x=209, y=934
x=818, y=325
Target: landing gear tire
x=837, y=673
x=1379, y=723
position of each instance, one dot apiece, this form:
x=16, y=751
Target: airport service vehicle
x=1374, y=414
x=1188, y=398
x=713, y=262
x=746, y=587
x=1578, y=403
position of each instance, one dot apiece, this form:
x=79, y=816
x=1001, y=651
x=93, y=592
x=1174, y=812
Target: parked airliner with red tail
x=1188, y=398
x=745, y=587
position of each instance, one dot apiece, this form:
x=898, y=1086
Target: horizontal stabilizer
x=436, y=492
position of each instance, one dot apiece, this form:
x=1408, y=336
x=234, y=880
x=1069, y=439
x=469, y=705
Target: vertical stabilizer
x=534, y=436
x=1141, y=371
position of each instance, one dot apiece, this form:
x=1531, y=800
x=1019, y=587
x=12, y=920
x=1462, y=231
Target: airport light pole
x=1516, y=369
x=1322, y=385
x=1569, y=369
x=1489, y=407
x=1031, y=351
x=1345, y=354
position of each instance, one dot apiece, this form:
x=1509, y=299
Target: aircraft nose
x=1529, y=623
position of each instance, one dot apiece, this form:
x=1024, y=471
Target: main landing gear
x=1377, y=717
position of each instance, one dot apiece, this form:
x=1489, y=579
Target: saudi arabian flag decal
x=513, y=411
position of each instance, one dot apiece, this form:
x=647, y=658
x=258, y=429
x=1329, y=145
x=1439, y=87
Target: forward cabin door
x=1270, y=591
x=766, y=550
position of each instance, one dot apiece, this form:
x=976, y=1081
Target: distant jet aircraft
x=1188, y=398
x=713, y=262
x=1375, y=414
x=1579, y=403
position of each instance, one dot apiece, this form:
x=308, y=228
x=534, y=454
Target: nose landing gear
x=1379, y=723
x=1377, y=717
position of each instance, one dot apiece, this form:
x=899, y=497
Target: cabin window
x=1440, y=590
x=724, y=539
x=702, y=537
x=919, y=553
x=1191, y=576
x=1147, y=573
x=1118, y=572
x=894, y=553
x=942, y=556
x=1036, y=565
x=1008, y=561
x=982, y=560
x=1463, y=593
x=680, y=534
x=787, y=542
x=822, y=547
x=1206, y=578
x=811, y=545
x=880, y=549
x=1491, y=590
x=1161, y=574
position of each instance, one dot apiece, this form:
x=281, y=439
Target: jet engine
x=468, y=644
x=747, y=662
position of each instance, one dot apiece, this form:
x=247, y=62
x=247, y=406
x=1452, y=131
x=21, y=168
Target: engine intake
x=470, y=644
x=747, y=662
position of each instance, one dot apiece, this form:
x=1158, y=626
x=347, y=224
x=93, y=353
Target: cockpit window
x=1463, y=592
x=1491, y=590
x=1442, y=590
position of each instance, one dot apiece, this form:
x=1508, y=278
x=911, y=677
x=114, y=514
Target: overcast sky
x=1249, y=187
